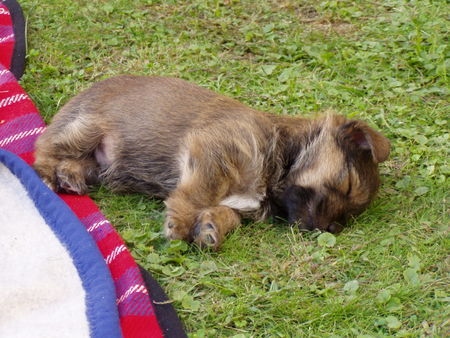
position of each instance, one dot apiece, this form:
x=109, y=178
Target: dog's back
x=134, y=127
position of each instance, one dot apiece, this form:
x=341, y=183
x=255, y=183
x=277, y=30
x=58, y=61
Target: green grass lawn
x=384, y=61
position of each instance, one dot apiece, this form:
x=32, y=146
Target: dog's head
x=335, y=175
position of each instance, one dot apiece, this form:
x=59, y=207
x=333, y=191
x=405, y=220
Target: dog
x=213, y=159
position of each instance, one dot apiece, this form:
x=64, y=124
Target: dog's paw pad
x=210, y=240
x=72, y=188
x=71, y=183
x=210, y=226
x=205, y=235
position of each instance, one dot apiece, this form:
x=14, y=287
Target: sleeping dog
x=214, y=160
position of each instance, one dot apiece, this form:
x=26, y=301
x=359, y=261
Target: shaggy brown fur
x=211, y=158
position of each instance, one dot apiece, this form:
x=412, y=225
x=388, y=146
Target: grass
x=383, y=61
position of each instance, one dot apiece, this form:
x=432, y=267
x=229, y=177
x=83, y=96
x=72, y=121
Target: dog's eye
x=349, y=189
x=320, y=204
x=349, y=182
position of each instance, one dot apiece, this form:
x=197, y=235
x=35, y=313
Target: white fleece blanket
x=49, y=286
x=40, y=285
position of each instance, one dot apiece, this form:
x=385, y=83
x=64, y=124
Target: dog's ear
x=359, y=135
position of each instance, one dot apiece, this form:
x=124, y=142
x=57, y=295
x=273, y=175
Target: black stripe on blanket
x=168, y=320
x=19, y=52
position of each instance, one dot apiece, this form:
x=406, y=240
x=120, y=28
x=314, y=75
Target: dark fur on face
x=341, y=181
x=213, y=159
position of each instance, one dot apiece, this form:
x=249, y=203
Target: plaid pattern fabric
x=6, y=36
x=20, y=125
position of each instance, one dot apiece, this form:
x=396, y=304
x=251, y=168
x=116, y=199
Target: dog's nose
x=334, y=228
x=302, y=224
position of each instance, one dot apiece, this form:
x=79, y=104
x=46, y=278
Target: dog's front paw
x=206, y=228
x=205, y=234
x=175, y=229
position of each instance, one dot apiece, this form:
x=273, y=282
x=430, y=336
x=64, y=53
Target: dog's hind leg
x=74, y=175
x=65, y=153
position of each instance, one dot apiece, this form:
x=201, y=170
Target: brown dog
x=212, y=158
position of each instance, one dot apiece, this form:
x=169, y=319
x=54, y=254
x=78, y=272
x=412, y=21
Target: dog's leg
x=206, y=226
x=213, y=224
x=45, y=166
x=64, y=154
x=74, y=175
x=211, y=169
x=183, y=208
x=193, y=214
